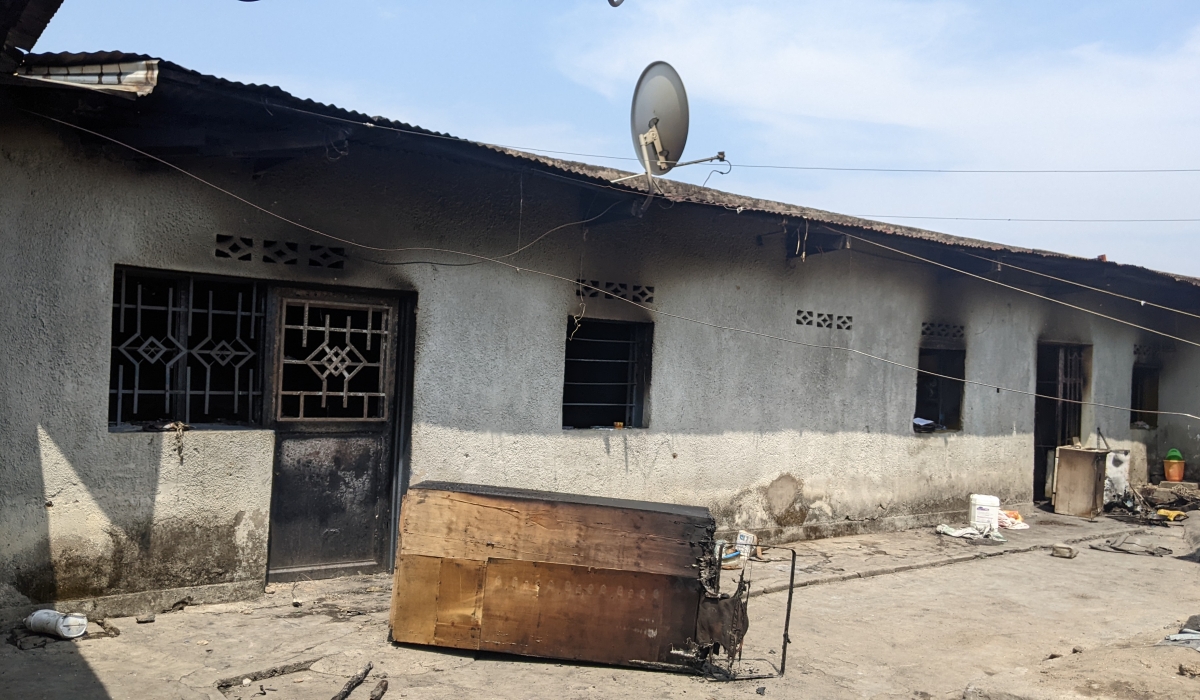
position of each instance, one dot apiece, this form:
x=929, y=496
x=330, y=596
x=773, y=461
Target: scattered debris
x=1171, y=515
x=380, y=689
x=971, y=533
x=1064, y=551
x=1129, y=545
x=1076, y=650
x=247, y=678
x=354, y=682
x=269, y=590
x=761, y=690
x=64, y=625
x=1189, y=670
x=1054, y=656
x=145, y=619
x=1189, y=635
x=1011, y=520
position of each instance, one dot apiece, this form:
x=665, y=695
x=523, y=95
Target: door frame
x=402, y=372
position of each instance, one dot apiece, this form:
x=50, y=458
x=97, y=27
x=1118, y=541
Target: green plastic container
x=1174, y=455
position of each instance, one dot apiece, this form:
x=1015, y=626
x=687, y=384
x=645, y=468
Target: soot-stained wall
x=775, y=434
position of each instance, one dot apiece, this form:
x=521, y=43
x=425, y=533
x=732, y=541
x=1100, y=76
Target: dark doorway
x=1056, y=421
x=339, y=380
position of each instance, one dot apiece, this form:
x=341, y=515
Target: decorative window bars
x=333, y=361
x=185, y=348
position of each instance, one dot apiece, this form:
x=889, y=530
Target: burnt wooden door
x=334, y=409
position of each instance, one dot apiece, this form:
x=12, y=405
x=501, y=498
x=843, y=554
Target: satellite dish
x=659, y=118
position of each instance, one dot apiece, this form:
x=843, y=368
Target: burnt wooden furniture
x=551, y=575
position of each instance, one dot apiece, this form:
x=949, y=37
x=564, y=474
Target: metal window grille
x=607, y=373
x=333, y=362
x=185, y=348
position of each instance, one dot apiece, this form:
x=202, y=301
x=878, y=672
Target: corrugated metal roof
x=593, y=175
x=21, y=23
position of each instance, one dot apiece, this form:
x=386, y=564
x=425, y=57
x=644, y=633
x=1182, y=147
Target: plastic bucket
x=1173, y=469
x=65, y=625
x=985, y=512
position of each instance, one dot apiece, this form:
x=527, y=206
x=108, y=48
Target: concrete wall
x=774, y=435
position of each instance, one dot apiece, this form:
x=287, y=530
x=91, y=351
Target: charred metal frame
x=338, y=355
x=192, y=342
x=700, y=661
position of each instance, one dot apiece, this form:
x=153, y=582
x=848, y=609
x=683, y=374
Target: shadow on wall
x=98, y=526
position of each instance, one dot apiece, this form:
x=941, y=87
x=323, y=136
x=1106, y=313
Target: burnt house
x=335, y=306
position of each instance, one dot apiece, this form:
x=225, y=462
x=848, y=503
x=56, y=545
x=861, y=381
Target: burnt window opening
x=940, y=398
x=607, y=373
x=1144, y=397
x=185, y=348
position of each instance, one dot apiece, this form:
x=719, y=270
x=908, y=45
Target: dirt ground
x=897, y=615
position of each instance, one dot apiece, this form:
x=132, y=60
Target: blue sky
x=857, y=83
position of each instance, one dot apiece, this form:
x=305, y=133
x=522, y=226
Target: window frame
x=177, y=392
x=638, y=366
x=946, y=360
x=1140, y=410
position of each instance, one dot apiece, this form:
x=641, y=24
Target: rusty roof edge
x=595, y=174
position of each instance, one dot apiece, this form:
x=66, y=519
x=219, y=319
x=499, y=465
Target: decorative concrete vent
x=1149, y=350
x=642, y=294
x=279, y=252
x=947, y=331
x=823, y=320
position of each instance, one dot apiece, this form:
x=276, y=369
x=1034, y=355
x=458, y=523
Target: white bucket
x=985, y=512
x=65, y=625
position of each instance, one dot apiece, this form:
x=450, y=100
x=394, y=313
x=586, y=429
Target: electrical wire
x=1079, y=284
x=658, y=312
x=557, y=228
x=1025, y=171
x=1009, y=286
x=1021, y=220
x=411, y=249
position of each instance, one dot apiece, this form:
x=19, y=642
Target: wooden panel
x=414, y=599
x=460, y=593
x=475, y=526
x=1079, y=482
x=586, y=614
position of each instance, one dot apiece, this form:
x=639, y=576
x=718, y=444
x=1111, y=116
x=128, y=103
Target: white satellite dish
x=658, y=121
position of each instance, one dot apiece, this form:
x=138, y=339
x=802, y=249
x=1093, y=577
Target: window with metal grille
x=185, y=348
x=334, y=361
x=1144, y=397
x=607, y=373
x=939, y=398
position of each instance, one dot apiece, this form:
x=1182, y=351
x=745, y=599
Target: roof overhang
x=134, y=77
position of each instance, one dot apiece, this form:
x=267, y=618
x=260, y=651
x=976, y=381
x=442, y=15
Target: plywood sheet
x=479, y=526
x=414, y=599
x=1079, y=482
x=460, y=595
x=586, y=614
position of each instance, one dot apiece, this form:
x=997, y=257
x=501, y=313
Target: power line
x=1009, y=286
x=1023, y=220
x=1143, y=302
x=415, y=249
x=1026, y=171
x=578, y=284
